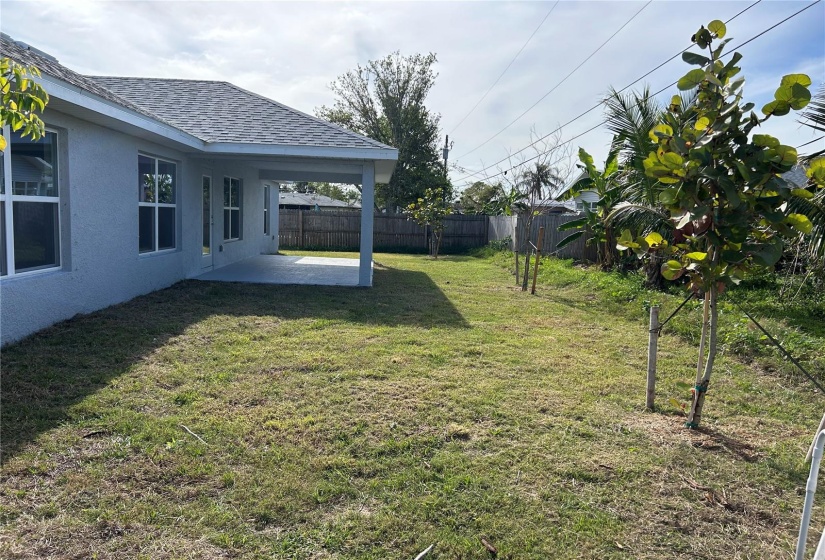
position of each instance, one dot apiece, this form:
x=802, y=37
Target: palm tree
x=813, y=208
x=540, y=179
x=630, y=117
x=814, y=117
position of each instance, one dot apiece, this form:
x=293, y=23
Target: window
x=157, y=192
x=231, y=209
x=266, y=209
x=29, y=204
x=591, y=206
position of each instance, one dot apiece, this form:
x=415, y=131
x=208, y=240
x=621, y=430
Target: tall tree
x=337, y=192
x=385, y=100
x=481, y=198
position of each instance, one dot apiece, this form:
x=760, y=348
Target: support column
x=367, y=211
x=275, y=216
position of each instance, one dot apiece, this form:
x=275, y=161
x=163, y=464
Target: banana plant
x=593, y=223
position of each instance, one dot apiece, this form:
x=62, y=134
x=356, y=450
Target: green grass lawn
x=441, y=406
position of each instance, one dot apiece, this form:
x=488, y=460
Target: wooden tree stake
x=517, y=274
x=538, y=257
x=652, y=354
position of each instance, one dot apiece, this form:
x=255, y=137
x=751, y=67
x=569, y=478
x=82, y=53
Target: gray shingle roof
x=796, y=176
x=48, y=65
x=302, y=199
x=211, y=111
x=223, y=112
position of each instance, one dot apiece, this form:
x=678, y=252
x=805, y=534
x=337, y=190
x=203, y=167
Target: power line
x=543, y=97
x=654, y=94
x=600, y=103
x=507, y=68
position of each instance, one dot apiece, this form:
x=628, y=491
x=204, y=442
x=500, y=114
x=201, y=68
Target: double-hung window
x=231, y=209
x=29, y=204
x=157, y=193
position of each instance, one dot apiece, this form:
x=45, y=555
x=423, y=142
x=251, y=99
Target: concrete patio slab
x=282, y=269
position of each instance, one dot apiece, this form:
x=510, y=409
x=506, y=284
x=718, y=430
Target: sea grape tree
x=430, y=211
x=721, y=185
x=21, y=99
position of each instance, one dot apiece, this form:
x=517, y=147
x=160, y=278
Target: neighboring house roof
x=582, y=174
x=796, y=176
x=208, y=110
x=302, y=199
x=569, y=205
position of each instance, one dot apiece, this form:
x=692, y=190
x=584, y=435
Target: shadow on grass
x=47, y=373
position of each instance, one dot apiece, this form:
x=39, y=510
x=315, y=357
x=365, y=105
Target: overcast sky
x=291, y=52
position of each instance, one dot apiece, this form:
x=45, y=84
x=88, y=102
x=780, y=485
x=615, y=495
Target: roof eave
x=334, y=152
x=75, y=95
x=384, y=158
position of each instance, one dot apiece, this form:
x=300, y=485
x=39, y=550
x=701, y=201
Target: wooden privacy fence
x=394, y=232
x=391, y=232
x=503, y=226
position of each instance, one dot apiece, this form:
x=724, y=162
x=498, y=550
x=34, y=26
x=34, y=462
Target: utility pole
x=446, y=152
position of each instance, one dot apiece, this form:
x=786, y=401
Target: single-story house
x=140, y=182
x=797, y=175
x=585, y=198
x=314, y=202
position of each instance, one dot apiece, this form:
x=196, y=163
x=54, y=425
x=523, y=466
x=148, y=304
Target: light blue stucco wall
x=99, y=223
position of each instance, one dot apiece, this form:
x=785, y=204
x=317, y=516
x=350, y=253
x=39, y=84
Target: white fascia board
x=78, y=96
x=384, y=169
x=302, y=151
x=385, y=157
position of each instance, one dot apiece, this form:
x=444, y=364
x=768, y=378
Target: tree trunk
x=526, y=277
x=653, y=272
x=695, y=416
x=608, y=249
x=438, y=236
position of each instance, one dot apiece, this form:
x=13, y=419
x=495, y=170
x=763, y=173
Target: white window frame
x=231, y=208
x=156, y=205
x=9, y=198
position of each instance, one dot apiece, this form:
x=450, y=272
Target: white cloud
x=292, y=51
